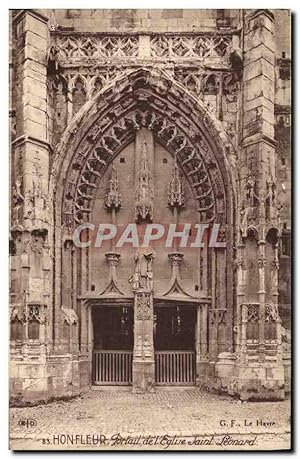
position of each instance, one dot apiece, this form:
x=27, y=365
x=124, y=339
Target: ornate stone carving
x=79, y=95
x=251, y=195
x=108, y=136
x=239, y=263
x=176, y=193
x=36, y=312
x=211, y=83
x=94, y=161
x=112, y=286
x=17, y=312
x=275, y=264
x=143, y=306
x=271, y=313
x=38, y=239
x=82, y=47
x=113, y=196
x=231, y=86
x=261, y=261
x=18, y=203
x=253, y=313
x=159, y=46
x=144, y=192
x=176, y=258
x=194, y=46
x=175, y=287
x=70, y=47
x=69, y=315
x=142, y=278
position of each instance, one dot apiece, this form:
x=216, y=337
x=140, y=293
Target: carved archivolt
x=179, y=122
x=97, y=152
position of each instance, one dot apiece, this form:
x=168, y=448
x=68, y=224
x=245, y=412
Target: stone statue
x=18, y=201
x=250, y=191
x=142, y=278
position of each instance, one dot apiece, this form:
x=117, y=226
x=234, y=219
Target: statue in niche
x=142, y=278
x=144, y=191
x=248, y=214
x=18, y=201
x=244, y=221
x=250, y=193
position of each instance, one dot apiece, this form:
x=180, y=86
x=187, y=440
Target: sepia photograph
x=150, y=207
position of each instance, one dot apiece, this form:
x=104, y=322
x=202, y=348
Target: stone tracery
x=189, y=157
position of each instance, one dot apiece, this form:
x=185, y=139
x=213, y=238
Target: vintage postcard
x=150, y=269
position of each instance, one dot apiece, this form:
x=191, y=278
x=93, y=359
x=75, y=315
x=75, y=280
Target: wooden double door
x=174, y=345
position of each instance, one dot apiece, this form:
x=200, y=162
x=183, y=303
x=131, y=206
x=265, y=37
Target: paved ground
x=179, y=419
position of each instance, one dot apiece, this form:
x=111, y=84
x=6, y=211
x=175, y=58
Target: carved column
x=30, y=216
x=143, y=371
x=262, y=299
x=257, y=195
x=201, y=341
x=257, y=163
x=241, y=279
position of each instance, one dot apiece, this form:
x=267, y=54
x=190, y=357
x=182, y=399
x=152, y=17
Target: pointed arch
x=178, y=120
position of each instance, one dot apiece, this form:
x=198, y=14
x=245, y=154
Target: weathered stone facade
x=165, y=116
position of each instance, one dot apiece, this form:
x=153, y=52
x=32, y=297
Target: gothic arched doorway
x=145, y=151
